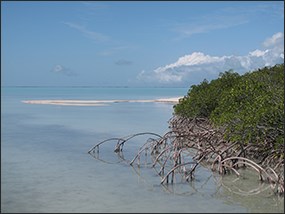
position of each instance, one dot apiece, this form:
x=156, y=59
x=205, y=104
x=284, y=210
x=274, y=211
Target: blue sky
x=136, y=43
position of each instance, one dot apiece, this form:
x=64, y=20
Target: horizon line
x=90, y=86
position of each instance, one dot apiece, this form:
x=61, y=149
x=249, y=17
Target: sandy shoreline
x=172, y=100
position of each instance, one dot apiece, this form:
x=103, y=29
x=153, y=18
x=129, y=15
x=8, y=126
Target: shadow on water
x=245, y=190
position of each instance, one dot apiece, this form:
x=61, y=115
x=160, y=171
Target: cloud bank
x=193, y=68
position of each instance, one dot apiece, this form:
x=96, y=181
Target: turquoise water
x=45, y=166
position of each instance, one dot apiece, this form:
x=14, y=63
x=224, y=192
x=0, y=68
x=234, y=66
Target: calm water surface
x=45, y=166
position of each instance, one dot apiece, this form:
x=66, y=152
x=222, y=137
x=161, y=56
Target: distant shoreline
x=172, y=100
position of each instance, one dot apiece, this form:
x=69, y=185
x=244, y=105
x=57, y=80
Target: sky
x=136, y=43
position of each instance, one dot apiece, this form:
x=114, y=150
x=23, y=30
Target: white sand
x=172, y=100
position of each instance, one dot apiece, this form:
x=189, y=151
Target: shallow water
x=45, y=166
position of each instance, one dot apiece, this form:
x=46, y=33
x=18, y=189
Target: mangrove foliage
x=249, y=107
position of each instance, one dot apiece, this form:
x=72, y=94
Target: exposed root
x=192, y=142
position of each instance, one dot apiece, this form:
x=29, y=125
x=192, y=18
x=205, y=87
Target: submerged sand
x=172, y=100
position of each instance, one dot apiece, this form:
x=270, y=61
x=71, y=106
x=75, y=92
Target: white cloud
x=225, y=18
x=258, y=53
x=98, y=37
x=197, y=27
x=59, y=69
x=276, y=39
x=215, y=20
x=195, y=58
x=194, y=67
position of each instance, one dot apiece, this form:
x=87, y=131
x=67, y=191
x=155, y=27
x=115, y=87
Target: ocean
x=45, y=165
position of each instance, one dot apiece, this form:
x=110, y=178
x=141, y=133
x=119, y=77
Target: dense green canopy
x=249, y=107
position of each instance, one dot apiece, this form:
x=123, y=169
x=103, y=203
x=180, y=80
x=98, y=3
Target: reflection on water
x=245, y=190
x=50, y=172
x=45, y=166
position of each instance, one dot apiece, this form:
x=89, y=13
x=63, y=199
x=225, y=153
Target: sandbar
x=172, y=100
